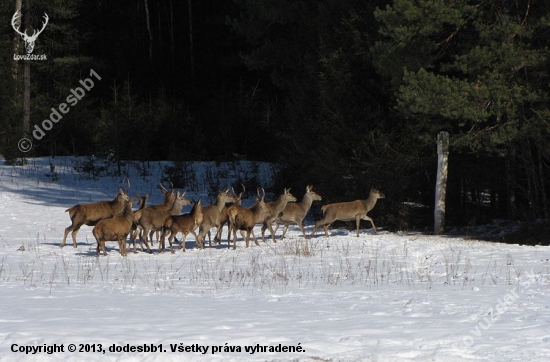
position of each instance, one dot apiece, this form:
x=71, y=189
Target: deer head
x=29, y=40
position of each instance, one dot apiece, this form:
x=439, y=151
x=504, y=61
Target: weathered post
x=441, y=183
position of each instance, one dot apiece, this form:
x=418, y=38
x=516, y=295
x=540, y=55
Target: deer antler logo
x=29, y=40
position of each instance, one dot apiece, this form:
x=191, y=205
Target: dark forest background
x=343, y=94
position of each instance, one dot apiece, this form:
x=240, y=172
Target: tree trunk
x=441, y=184
x=149, y=29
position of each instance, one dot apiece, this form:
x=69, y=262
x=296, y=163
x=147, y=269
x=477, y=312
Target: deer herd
x=115, y=220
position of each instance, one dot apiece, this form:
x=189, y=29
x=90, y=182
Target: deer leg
x=314, y=230
x=234, y=238
x=209, y=240
x=145, y=233
x=170, y=240
x=285, y=228
x=199, y=241
x=366, y=217
x=73, y=235
x=247, y=238
x=270, y=227
x=276, y=225
x=321, y=222
x=229, y=232
x=125, y=244
x=133, y=239
x=120, y=247
x=264, y=227
x=357, y=223
x=151, y=233
x=218, y=238
x=182, y=245
x=121, y=242
x=254, y=236
x=162, y=243
x=141, y=239
x=176, y=239
x=67, y=231
x=194, y=235
x=163, y=237
x=301, y=226
x=326, y=230
x=203, y=229
x=103, y=248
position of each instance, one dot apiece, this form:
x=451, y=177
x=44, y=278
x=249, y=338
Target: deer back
x=212, y=214
x=91, y=213
x=298, y=211
x=112, y=228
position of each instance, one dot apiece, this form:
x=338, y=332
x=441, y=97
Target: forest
x=341, y=94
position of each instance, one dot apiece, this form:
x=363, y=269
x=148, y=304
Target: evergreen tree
x=479, y=70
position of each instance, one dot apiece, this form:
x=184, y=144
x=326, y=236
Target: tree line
x=344, y=94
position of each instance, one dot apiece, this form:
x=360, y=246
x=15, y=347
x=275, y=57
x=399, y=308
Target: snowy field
x=384, y=297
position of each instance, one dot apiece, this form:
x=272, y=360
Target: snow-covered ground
x=385, y=297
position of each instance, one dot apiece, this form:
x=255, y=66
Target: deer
x=115, y=228
x=186, y=223
x=244, y=219
x=29, y=40
x=90, y=214
x=274, y=209
x=224, y=219
x=296, y=212
x=347, y=211
x=169, y=198
x=212, y=216
x=152, y=220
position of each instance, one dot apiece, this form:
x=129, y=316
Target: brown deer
x=224, y=219
x=212, y=216
x=153, y=220
x=274, y=209
x=186, y=223
x=169, y=198
x=115, y=228
x=90, y=214
x=244, y=219
x=347, y=211
x=296, y=212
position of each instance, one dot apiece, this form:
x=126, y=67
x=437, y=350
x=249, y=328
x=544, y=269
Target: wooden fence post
x=441, y=184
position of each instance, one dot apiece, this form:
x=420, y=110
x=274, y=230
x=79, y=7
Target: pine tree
x=478, y=70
